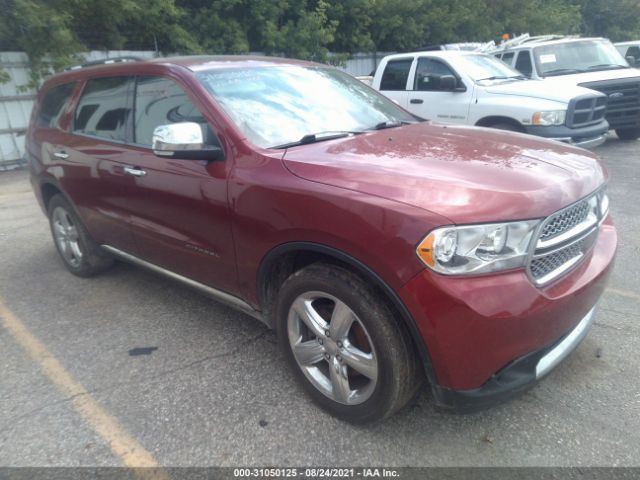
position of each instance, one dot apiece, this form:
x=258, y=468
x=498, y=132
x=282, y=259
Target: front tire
x=344, y=344
x=81, y=255
x=628, y=133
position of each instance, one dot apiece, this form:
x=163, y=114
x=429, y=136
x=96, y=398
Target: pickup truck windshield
x=276, y=106
x=487, y=68
x=577, y=57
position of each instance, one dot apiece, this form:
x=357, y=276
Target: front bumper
x=518, y=376
x=585, y=137
x=491, y=336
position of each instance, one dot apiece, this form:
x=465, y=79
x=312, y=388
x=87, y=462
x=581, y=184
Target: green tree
x=618, y=20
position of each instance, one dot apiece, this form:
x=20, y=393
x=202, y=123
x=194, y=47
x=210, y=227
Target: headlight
x=477, y=248
x=553, y=117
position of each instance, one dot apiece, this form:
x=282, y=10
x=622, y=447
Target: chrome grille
x=565, y=220
x=565, y=237
x=560, y=260
x=623, y=106
x=586, y=110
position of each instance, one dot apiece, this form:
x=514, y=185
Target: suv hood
x=542, y=89
x=466, y=174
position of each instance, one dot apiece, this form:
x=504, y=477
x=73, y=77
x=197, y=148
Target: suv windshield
x=577, y=57
x=276, y=106
x=487, y=68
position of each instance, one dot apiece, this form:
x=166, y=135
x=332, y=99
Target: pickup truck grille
x=584, y=111
x=566, y=237
x=623, y=104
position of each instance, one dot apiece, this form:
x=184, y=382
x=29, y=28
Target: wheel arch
x=287, y=258
x=48, y=190
x=497, y=119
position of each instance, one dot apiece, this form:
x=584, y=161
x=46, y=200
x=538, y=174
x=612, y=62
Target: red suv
x=382, y=248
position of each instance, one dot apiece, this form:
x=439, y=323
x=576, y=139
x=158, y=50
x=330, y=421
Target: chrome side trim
x=219, y=295
x=566, y=346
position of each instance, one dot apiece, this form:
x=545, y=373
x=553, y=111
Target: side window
x=634, y=51
x=161, y=101
x=53, y=104
x=523, y=63
x=104, y=109
x=395, y=74
x=507, y=57
x=428, y=74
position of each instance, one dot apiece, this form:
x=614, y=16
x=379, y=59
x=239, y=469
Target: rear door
x=91, y=156
x=180, y=216
x=428, y=100
x=395, y=80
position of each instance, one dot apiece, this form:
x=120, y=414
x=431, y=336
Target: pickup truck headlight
x=553, y=117
x=460, y=250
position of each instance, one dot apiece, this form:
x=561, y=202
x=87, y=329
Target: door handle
x=62, y=155
x=416, y=100
x=135, y=171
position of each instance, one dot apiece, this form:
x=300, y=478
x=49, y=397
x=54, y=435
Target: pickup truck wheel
x=80, y=254
x=628, y=133
x=345, y=346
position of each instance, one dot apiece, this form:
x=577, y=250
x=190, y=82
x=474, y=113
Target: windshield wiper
x=560, y=71
x=608, y=66
x=388, y=124
x=318, y=137
x=501, y=77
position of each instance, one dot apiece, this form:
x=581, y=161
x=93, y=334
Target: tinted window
x=507, y=57
x=395, y=75
x=634, y=52
x=53, y=105
x=160, y=101
x=104, y=108
x=428, y=74
x=523, y=63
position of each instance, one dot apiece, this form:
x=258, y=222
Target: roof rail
x=105, y=61
x=528, y=39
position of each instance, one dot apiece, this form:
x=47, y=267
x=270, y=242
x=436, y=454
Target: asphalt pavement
x=212, y=388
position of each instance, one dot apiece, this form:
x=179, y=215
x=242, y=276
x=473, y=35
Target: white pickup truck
x=477, y=89
x=592, y=63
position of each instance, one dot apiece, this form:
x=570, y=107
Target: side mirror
x=631, y=60
x=183, y=140
x=450, y=83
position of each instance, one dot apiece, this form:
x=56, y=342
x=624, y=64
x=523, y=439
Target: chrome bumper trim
x=218, y=295
x=566, y=346
x=590, y=143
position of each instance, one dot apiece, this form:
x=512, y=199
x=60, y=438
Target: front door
x=180, y=217
x=429, y=100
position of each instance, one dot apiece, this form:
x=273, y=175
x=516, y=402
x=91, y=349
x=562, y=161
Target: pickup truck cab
x=592, y=63
x=381, y=248
x=473, y=88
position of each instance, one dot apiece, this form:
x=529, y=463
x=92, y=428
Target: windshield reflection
x=279, y=105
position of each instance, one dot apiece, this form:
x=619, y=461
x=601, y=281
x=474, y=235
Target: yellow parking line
x=624, y=293
x=127, y=449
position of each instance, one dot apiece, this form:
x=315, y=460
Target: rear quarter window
x=53, y=105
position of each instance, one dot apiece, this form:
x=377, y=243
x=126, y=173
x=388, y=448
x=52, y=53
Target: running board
x=218, y=295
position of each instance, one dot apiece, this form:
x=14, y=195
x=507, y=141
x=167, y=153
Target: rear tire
x=628, y=133
x=346, y=348
x=81, y=255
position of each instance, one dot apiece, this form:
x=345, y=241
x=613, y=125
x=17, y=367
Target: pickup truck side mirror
x=183, y=140
x=631, y=60
x=450, y=83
